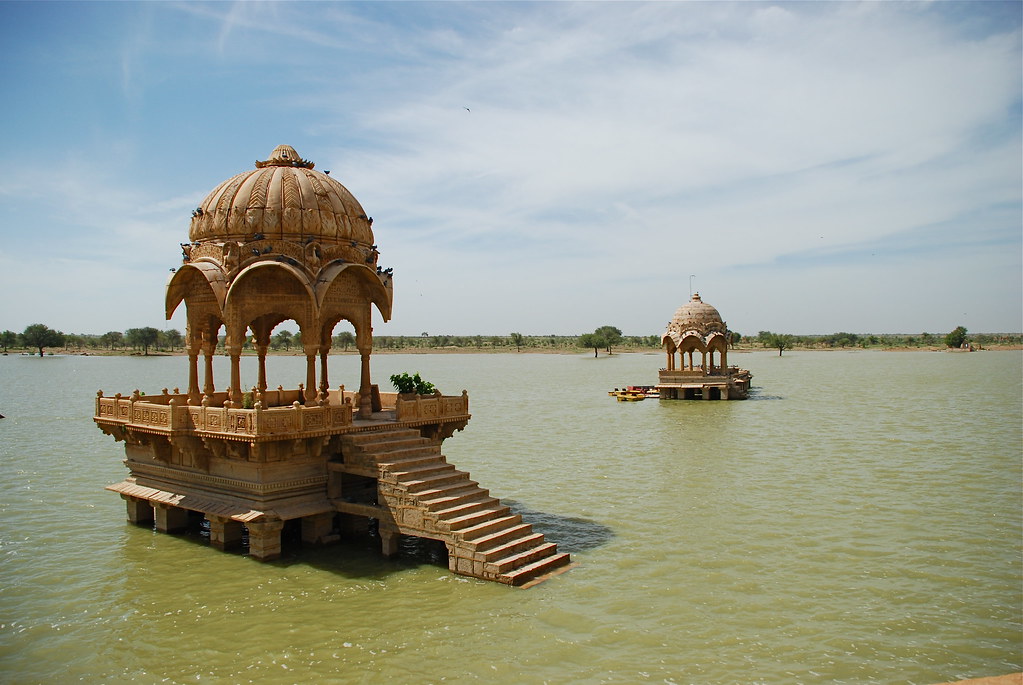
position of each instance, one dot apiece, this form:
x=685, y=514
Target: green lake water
x=859, y=519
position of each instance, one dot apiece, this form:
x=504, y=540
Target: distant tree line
x=954, y=339
x=39, y=339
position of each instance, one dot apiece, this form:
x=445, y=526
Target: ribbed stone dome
x=697, y=315
x=283, y=198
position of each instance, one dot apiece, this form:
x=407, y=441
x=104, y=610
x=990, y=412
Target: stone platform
x=252, y=470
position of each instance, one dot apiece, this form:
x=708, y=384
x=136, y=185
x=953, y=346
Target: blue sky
x=535, y=167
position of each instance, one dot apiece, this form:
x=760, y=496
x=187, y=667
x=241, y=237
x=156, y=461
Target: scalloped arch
x=181, y=285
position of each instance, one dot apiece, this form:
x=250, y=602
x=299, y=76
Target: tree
x=344, y=338
x=781, y=341
x=282, y=339
x=610, y=335
x=591, y=340
x=8, y=339
x=517, y=339
x=111, y=338
x=39, y=336
x=142, y=337
x=956, y=338
x=171, y=338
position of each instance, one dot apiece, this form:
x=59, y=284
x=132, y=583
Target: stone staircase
x=428, y=497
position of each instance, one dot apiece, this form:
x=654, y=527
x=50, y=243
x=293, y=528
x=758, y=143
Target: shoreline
x=476, y=350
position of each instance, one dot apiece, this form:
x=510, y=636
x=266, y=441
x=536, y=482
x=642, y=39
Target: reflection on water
x=865, y=527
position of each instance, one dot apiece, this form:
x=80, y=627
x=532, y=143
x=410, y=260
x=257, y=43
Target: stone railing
x=431, y=407
x=687, y=376
x=171, y=413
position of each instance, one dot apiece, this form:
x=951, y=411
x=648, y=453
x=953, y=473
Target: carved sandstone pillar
x=316, y=528
x=389, y=540
x=194, y=344
x=208, y=349
x=170, y=519
x=265, y=539
x=310, y=374
x=140, y=511
x=225, y=532
x=261, y=378
x=324, y=384
x=236, y=375
x=261, y=341
x=233, y=343
x=365, y=389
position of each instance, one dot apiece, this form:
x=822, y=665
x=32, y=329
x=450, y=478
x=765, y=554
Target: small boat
x=630, y=395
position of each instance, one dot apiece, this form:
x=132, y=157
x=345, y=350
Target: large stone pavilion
x=694, y=336
x=313, y=462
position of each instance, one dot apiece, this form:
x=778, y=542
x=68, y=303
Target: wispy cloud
x=558, y=164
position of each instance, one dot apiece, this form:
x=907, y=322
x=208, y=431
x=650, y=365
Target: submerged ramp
x=419, y=493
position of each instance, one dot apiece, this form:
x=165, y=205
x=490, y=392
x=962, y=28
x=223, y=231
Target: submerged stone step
x=485, y=538
x=512, y=547
x=523, y=558
x=524, y=574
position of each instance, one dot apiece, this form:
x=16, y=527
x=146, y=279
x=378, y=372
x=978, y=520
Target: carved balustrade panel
x=146, y=414
x=176, y=415
x=429, y=407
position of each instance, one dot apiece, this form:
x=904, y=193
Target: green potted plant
x=411, y=385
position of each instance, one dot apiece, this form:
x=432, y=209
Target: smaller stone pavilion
x=697, y=328
x=310, y=462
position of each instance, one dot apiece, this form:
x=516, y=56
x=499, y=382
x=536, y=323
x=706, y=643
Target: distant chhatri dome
x=697, y=315
x=283, y=198
x=698, y=329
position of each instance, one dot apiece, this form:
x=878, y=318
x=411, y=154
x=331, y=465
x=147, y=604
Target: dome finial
x=285, y=155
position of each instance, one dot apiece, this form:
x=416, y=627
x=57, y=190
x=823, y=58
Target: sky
x=536, y=167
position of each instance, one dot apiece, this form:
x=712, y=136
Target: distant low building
x=698, y=329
